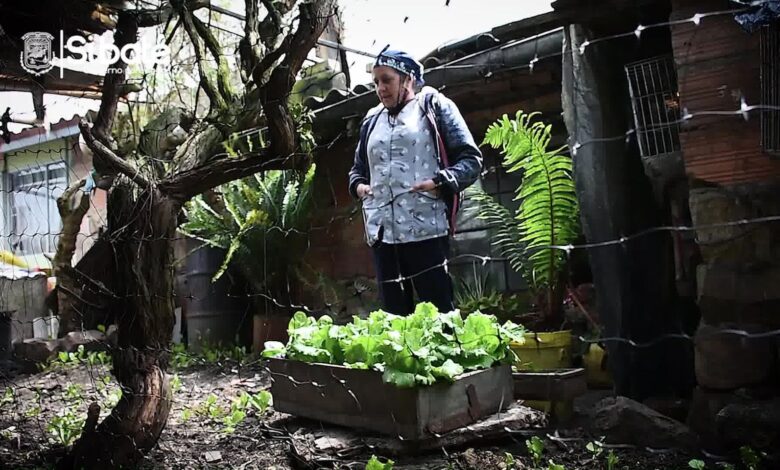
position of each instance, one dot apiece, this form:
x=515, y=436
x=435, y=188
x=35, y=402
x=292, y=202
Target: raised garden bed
x=360, y=399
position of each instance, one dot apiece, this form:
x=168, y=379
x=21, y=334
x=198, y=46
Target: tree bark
x=66, y=247
x=141, y=229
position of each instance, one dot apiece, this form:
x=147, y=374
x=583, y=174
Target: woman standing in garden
x=414, y=157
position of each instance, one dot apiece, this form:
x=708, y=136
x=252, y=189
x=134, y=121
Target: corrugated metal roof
x=39, y=135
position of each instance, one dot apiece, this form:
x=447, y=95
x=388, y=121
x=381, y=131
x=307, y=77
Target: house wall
x=718, y=65
x=26, y=296
x=78, y=160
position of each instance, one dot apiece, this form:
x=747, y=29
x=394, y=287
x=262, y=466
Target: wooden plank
x=316, y=447
x=552, y=385
x=360, y=399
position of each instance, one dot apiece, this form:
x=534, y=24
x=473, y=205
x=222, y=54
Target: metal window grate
x=770, y=88
x=653, y=87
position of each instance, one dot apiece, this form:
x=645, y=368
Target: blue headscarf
x=402, y=62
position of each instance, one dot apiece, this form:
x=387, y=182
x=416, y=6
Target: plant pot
x=596, y=371
x=544, y=350
x=269, y=327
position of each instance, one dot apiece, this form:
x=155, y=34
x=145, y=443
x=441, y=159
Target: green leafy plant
x=9, y=434
x=260, y=400
x=612, y=460
x=233, y=419
x=81, y=356
x=65, y=359
x=595, y=449
x=696, y=464
x=476, y=293
x=175, y=383
x=33, y=411
x=375, y=464
x=509, y=460
x=418, y=349
x=536, y=449
x=8, y=397
x=210, y=408
x=554, y=466
x=548, y=211
x=180, y=357
x=112, y=398
x=262, y=221
x=73, y=392
x=750, y=458
x=95, y=358
x=65, y=427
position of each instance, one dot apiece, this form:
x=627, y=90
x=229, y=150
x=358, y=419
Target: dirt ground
x=196, y=438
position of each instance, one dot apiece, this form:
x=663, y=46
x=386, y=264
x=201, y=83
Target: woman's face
x=389, y=83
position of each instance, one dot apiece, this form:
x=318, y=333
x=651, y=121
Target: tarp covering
x=762, y=14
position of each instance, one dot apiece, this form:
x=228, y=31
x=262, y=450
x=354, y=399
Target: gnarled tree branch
x=223, y=71
x=109, y=159
x=190, y=183
x=215, y=98
x=313, y=19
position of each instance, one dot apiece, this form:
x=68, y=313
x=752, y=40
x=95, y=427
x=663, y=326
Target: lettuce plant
x=419, y=349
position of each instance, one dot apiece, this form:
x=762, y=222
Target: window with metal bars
x=770, y=88
x=34, y=218
x=652, y=84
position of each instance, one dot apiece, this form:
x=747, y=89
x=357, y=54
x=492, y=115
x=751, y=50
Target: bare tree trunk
x=69, y=293
x=141, y=229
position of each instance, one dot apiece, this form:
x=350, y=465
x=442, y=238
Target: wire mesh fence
x=220, y=408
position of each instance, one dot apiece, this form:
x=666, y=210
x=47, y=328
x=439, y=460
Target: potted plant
x=263, y=224
x=477, y=293
x=547, y=216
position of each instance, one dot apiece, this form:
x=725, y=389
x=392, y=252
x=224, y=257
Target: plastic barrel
x=213, y=311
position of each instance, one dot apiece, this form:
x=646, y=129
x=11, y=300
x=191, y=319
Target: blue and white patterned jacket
x=458, y=157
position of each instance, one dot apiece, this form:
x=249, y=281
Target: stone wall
x=738, y=283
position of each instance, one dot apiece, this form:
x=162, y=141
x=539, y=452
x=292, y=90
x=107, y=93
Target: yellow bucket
x=546, y=350
x=595, y=367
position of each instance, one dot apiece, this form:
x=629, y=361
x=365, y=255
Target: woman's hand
x=427, y=185
x=363, y=190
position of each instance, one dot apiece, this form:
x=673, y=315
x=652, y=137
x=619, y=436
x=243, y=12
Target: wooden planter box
x=359, y=398
x=550, y=385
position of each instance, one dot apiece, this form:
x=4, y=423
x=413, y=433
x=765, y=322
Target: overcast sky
x=415, y=26
x=419, y=26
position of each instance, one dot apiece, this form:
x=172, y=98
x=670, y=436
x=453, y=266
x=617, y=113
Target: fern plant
x=262, y=222
x=547, y=214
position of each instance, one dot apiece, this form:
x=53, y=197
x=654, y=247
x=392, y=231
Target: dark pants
x=421, y=261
